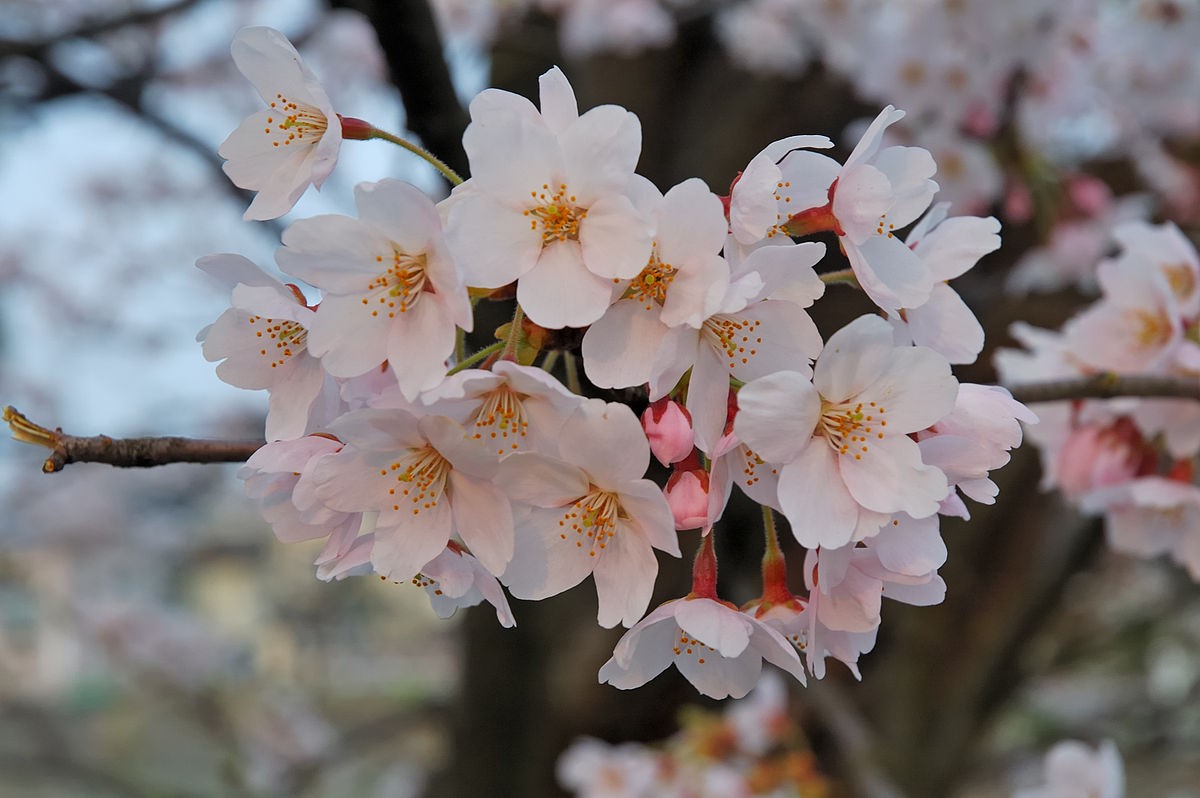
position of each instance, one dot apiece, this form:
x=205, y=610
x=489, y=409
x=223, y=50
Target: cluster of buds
x=473, y=474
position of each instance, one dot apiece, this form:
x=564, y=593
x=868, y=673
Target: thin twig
x=123, y=452
x=1108, y=386
x=87, y=30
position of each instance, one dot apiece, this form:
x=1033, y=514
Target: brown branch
x=123, y=452
x=1108, y=386
x=94, y=28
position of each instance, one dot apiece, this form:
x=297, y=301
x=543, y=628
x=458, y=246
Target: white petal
x=777, y=415
x=815, y=500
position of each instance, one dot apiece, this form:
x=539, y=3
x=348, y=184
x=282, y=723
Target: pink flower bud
x=687, y=495
x=1018, y=202
x=1096, y=457
x=1089, y=194
x=668, y=427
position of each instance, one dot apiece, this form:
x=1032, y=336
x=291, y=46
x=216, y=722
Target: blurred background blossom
x=156, y=640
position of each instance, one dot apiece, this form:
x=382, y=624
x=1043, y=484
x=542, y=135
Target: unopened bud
x=668, y=427
x=687, y=495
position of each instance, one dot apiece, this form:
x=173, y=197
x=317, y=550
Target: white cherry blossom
x=263, y=343
x=841, y=440
x=392, y=291
x=717, y=648
x=456, y=579
x=547, y=202
x=425, y=481
x=280, y=151
x=589, y=511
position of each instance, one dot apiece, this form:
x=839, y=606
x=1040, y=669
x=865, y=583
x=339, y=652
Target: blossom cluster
x=472, y=475
x=1131, y=459
x=752, y=748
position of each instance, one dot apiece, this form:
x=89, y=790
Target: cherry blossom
x=392, y=291
x=1076, y=770
x=875, y=193
x=455, y=579
x=717, y=648
x=262, y=342
x=841, y=440
x=425, y=481
x=668, y=428
x=280, y=151
x=589, y=512
x=547, y=202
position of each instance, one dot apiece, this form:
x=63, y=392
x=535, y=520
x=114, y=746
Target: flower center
x=751, y=462
x=592, y=518
x=736, y=337
x=1181, y=279
x=421, y=477
x=651, y=284
x=398, y=288
x=1151, y=330
x=502, y=419
x=686, y=645
x=289, y=338
x=297, y=123
x=847, y=426
x=556, y=214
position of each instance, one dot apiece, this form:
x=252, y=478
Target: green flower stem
x=482, y=354
x=421, y=152
x=841, y=276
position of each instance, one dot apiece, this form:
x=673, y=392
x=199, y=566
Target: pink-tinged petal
x=957, y=244
x=774, y=336
x=946, y=325
x=600, y=151
x=624, y=576
x=560, y=292
x=890, y=273
x=815, y=500
x=492, y=241
x=399, y=210
x=411, y=541
x=775, y=649
x=787, y=272
x=715, y=625
x=539, y=480
x=692, y=222
x=718, y=677
x=630, y=644
x=807, y=177
x=511, y=150
x=291, y=402
x=777, y=415
x=272, y=65
x=546, y=559
x=557, y=100
x=619, y=350
x=334, y=253
x=915, y=392
x=679, y=349
x=652, y=656
x=890, y=478
x=483, y=519
x=868, y=145
x=853, y=358
x=649, y=515
x=925, y=595
x=911, y=546
x=696, y=292
x=854, y=605
x=908, y=170
x=279, y=174
x=387, y=431
x=758, y=479
x=229, y=269
x=348, y=339
x=753, y=208
x=708, y=397
x=614, y=239
x=419, y=342
x=607, y=440
x=862, y=196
